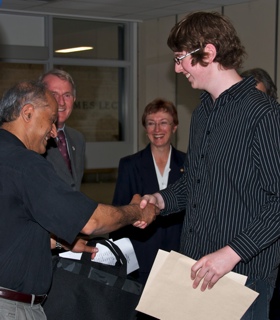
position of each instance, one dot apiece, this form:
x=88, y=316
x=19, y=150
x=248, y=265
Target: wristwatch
x=58, y=245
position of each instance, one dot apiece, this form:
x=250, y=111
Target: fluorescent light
x=76, y=49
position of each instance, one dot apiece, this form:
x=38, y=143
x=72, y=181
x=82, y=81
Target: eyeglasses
x=151, y=125
x=178, y=59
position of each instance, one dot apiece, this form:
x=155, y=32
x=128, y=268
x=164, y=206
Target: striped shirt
x=231, y=186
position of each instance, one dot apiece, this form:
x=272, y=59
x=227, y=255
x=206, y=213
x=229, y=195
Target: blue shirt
x=231, y=186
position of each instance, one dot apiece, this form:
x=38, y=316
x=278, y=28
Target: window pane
x=11, y=73
x=106, y=38
x=96, y=111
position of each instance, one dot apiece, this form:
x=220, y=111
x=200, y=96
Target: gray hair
x=261, y=75
x=15, y=98
x=62, y=75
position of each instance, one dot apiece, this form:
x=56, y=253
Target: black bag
x=88, y=290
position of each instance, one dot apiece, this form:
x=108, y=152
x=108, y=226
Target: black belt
x=21, y=297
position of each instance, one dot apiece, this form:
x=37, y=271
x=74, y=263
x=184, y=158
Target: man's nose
x=60, y=99
x=178, y=68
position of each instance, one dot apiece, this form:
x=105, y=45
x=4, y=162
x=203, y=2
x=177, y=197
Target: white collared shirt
x=163, y=179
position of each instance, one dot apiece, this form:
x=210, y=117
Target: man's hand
x=213, y=266
x=146, y=200
x=149, y=212
x=80, y=245
x=155, y=199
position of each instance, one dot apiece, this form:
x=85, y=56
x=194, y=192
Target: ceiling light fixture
x=76, y=49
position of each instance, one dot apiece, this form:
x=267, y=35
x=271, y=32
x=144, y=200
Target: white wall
x=22, y=30
x=255, y=23
x=155, y=72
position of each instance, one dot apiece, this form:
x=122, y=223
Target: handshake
x=140, y=212
x=149, y=209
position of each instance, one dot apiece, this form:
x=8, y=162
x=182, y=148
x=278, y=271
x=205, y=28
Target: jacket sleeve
x=123, y=190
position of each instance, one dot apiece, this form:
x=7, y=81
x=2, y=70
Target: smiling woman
x=150, y=170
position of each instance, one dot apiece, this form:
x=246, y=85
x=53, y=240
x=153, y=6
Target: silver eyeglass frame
x=177, y=60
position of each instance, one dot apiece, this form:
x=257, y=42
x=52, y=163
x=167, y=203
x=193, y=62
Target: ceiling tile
x=115, y=9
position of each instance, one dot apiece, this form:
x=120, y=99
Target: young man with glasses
x=231, y=187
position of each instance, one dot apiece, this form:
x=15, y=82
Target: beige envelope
x=168, y=294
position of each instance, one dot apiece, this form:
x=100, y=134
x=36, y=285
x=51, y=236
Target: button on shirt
x=231, y=186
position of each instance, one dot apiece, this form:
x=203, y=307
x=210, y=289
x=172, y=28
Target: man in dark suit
x=63, y=88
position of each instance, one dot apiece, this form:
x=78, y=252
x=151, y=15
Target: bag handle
x=116, y=251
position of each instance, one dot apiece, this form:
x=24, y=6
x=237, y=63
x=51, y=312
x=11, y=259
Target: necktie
x=62, y=146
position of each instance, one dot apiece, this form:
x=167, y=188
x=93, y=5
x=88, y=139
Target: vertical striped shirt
x=231, y=186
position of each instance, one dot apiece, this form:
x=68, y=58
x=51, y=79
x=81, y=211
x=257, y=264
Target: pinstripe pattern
x=231, y=186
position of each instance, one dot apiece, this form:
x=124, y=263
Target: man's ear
x=27, y=112
x=211, y=51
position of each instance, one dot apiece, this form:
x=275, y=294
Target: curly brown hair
x=198, y=29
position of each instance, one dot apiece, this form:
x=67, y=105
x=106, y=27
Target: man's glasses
x=178, y=59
